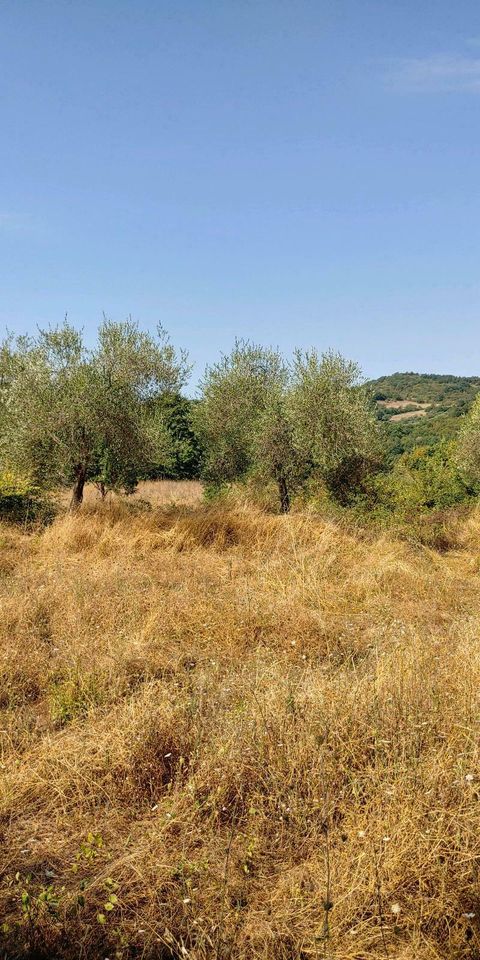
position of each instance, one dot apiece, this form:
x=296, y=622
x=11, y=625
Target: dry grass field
x=233, y=736
x=157, y=493
x=411, y=415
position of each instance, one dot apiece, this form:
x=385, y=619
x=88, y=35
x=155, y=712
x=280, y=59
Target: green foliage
x=73, y=696
x=177, y=414
x=468, y=447
x=21, y=501
x=334, y=422
x=422, y=497
x=242, y=419
x=110, y=472
x=36, y=901
x=424, y=479
x=426, y=388
x=88, y=851
x=45, y=910
x=235, y=396
x=449, y=399
x=70, y=414
x=114, y=414
x=429, y=431
x=260, y=417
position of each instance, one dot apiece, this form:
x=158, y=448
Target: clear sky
x=299, y=172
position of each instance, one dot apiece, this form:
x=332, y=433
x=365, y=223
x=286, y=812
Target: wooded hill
x=422, y=408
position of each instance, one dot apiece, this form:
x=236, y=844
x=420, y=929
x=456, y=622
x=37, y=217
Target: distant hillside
x=422, y=408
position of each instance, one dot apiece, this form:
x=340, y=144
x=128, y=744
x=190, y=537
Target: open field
x=408, y=415
x=237, y=736
x=402, y=404
x=156, y=492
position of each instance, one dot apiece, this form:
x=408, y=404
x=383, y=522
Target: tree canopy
x=261, y=416
x=70, y=413
x=468, y=446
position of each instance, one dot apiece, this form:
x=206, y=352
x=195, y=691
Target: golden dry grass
x=401, y=404
x=156, y=492
x=408, y=415
x=259, y=735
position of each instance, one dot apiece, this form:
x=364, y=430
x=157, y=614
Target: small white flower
x=187, y=900
x=361, y=834
x=469, y=777
x=386, y=839
x=469, y=916
x=293, y=643
x=395, y=908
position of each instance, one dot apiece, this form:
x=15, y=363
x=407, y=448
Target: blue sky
x=299, y=172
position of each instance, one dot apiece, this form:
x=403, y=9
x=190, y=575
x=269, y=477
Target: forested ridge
x=422, y=409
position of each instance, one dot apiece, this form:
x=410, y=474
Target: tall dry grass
x=230, y=735
x=155, y=492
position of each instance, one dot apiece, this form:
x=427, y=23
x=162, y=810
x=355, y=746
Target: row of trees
x=113, y=413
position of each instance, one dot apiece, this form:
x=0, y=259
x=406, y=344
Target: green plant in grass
x=71, y=697
x=21, y=500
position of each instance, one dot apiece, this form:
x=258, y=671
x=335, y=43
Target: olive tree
x=7, y=362
x=259, y=416
x=242, y=419
x=72, y=414
x=334, y=420
x=468, y=445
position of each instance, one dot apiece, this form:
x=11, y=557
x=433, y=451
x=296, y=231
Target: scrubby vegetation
x=232, y=734
x=427, y=388
x=22, y=501
x=442, y=399
x=307, y=426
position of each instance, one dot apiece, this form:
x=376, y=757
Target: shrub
x=427, y=478
x=21, y=501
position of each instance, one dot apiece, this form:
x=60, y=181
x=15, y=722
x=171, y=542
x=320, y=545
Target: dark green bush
x=21, y=501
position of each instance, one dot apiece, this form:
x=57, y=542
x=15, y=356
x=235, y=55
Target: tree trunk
x=283, y=494
x=77, y=492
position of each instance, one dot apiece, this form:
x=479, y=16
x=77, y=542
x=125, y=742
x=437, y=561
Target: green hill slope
x=422, y=408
